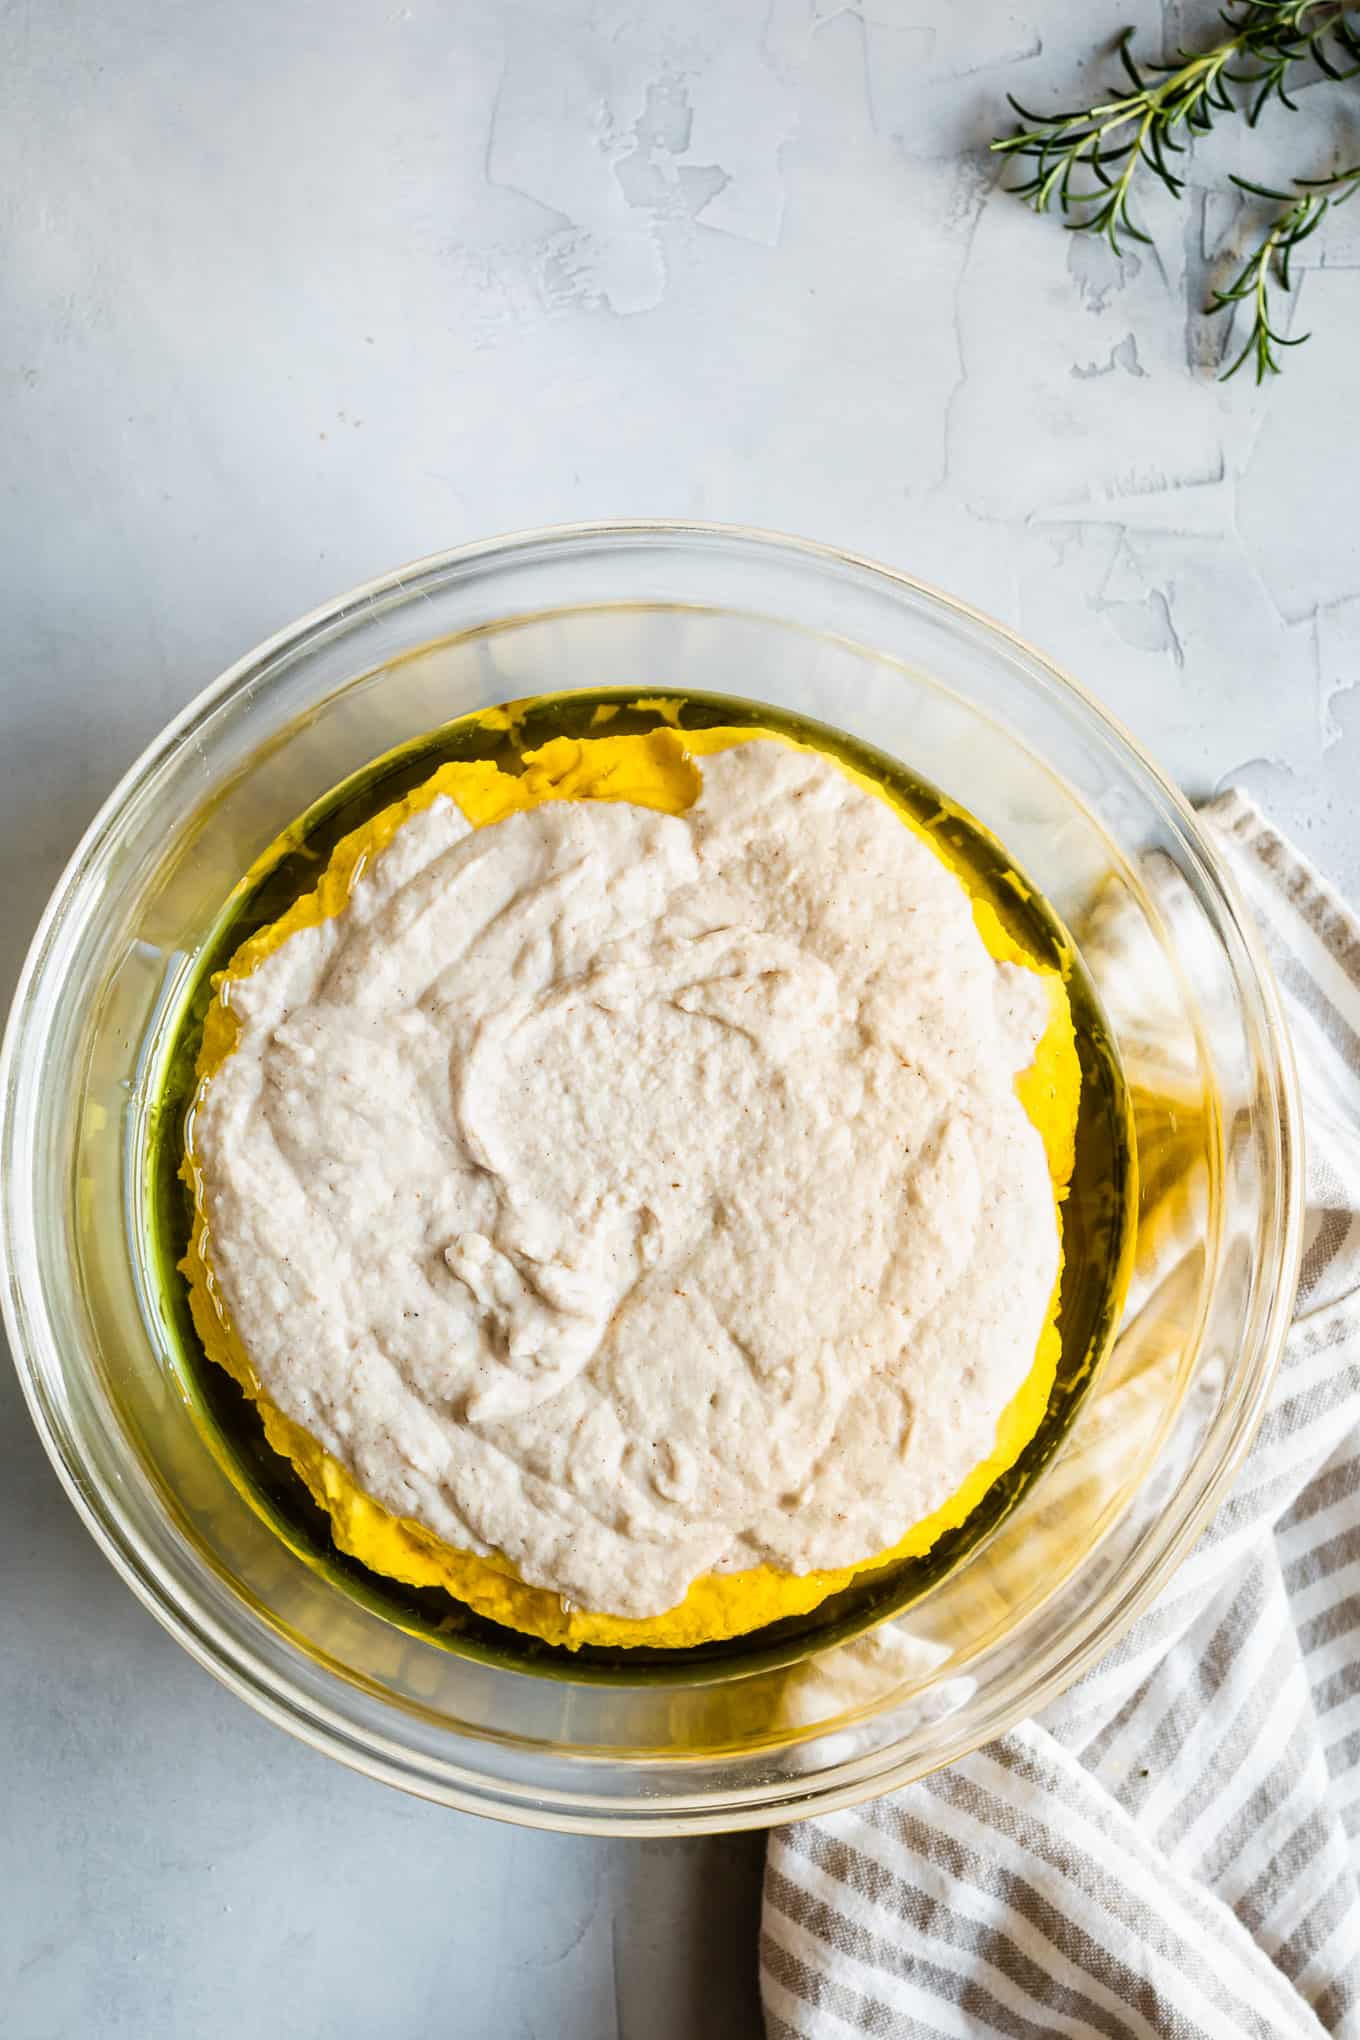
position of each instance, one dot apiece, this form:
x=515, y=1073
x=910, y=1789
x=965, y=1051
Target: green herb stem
x=1153, y=122
x=1304, y=210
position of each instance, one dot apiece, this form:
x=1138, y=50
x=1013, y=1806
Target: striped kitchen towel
x=1173, y=1847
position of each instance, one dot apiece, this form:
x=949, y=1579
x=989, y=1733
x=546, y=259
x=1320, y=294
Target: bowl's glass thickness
x=962, y=703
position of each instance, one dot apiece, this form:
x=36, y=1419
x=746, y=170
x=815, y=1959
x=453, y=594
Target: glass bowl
x=1190, y=1002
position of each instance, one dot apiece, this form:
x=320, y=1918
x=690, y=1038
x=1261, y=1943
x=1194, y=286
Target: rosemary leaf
x=1088, y=160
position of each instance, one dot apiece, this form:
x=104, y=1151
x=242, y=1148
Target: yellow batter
x=655, y=770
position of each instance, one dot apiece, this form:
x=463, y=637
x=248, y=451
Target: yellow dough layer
x=654, y=770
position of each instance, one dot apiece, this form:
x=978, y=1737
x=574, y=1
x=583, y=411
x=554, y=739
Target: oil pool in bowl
x=288, y=1485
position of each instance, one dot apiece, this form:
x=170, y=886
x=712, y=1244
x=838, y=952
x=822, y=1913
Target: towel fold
x=1171, y=1848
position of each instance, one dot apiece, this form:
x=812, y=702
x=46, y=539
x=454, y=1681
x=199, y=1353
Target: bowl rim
x=454, y=1784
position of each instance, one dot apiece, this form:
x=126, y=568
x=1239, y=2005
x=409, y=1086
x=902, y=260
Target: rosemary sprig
x=1088, y=160
x=1305, y=208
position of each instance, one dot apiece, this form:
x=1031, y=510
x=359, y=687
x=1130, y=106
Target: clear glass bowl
x=962, y=703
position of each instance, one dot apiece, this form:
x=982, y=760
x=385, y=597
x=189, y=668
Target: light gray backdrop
x=297, y=289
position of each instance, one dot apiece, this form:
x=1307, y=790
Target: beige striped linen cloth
x=1173, y=1847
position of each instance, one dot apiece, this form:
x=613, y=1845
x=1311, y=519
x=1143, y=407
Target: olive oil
x=1097, y=1216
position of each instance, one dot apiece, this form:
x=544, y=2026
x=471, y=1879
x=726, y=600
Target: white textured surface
x=295, y=292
